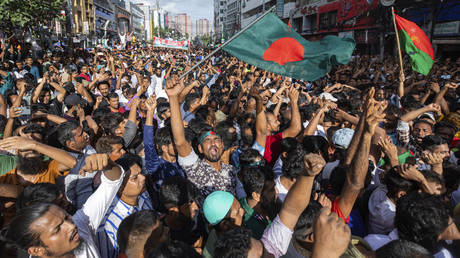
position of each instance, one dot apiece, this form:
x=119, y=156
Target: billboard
x=159, y=42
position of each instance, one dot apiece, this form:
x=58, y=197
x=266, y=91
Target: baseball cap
x=428, y=115
x=74, y=99
x=342, y=138
x=327, y=96
x=216, y=206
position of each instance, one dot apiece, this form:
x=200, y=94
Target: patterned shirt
x=205, y=176
x=107, y=231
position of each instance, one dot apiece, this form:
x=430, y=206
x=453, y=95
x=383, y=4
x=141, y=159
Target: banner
x=159, y=42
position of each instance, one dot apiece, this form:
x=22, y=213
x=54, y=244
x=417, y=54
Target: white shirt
x=282, y=191
x=156, y=86
x=276, y=238
x=88, y=218
x=382, y=211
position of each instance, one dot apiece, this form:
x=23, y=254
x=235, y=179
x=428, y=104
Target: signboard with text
x=159, y=42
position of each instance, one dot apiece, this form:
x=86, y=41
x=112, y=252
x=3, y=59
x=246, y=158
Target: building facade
x=84, y=22
x=220, y=13
x=137, y=20
x=251, y=9
x=233, y=17
x=183, y=24
x=203, y=27
x=105, y=19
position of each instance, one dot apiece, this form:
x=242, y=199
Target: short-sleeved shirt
x=206, y=177
x=253, y=220
x=276, y=238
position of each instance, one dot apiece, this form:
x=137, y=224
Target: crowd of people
x=109, y=153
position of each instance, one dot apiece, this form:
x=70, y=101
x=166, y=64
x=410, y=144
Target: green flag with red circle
x=272, y=45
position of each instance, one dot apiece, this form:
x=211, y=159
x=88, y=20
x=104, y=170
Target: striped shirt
x=107, y=231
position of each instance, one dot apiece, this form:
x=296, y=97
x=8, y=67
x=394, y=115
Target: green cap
x=216, y=206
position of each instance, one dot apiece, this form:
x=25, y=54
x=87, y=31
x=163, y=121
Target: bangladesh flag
x=273, y=46
x=416, y=44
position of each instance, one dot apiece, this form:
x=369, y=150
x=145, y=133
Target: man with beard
x=32, y=167
x=260, y=206
x=131, y=198
x=435, y=152
x=180, y=198
x=210, y=173
x=46, y=230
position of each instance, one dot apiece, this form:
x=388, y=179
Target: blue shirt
x=156, y=166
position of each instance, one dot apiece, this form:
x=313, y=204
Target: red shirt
x=273, y=148
x=336, y=208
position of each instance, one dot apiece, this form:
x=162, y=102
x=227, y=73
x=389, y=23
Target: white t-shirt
x=282, y=191
x=88, y=218
x=276, y=238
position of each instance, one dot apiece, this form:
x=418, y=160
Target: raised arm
x=357, y=170
x=412, y=115
x=261, y=119
x=173, y=89
x=298, y=197
x=39, y=88
x=65, y=160
x=151, y=155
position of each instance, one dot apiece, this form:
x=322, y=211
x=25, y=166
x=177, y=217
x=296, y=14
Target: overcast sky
x=197, y=9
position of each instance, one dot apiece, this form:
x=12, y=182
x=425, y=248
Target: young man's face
x=117, y=151
x=420, y=131
x=113, y=102
x=135, y=183
x=81, y=139
x=58, y=233
x=29, y=61
x=212, y=148
x=104, y=89
x=443, y=150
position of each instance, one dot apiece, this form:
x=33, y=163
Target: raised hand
x=151, y=103
x=174, y=87
x=332, y=235
x=432, y=158
x=374, y=114
x=18, y=143
x=314, y=163
x=388, y=147
x=95, y=162
x=293, y=95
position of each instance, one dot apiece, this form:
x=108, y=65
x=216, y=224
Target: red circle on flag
x=284, y=50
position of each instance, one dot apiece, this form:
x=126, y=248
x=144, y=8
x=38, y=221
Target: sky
x=197, y=9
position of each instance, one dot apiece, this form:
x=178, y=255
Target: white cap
x=327, y=96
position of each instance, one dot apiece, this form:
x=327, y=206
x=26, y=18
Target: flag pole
x=397, y=41
x=227, y=42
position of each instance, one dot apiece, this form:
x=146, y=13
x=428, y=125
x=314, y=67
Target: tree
x=28, y=13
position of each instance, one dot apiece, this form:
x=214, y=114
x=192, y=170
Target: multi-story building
x=147, y=9
x=137, y=20
x=105, y=13
x=220, y=13
x=233, y=17
x=169, y=18
x=84, y=22
x=203, y=27
x=183, y=24
x=251, y=9
x=123, y=16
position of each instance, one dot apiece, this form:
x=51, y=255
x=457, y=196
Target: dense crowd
x=109, y=153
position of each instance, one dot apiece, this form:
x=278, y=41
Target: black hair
x=104, y=144
x=432, y=176
x=37, y=193
x=110, y=122
x=3, y=121
x=189, y=100
x=177, y=191
x=253, y=180
x=294, y=165
x=248, y=157
x=222, y=129
x=316, y=144
x=396, y=183
x=162, y=108
x=337, y=178
x=18, y=233
x=202, y=113
x=133, y=226
x=128, y=160
x=421, y=218
x=305, y=222
x=234, y=243
x=451, y=175
x=430, y=142
x=247, y=139
x=64, y=132
x=99, y=114
x=112, y=95
x=163, y=137
x=103, y=82
x=401, y=248
x=174, y=249
x=288, y=144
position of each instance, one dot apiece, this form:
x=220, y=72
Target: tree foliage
x=28, y=13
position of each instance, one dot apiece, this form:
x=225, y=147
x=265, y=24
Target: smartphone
x=25, y=111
